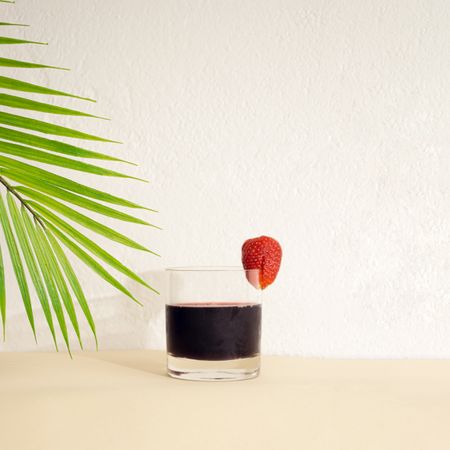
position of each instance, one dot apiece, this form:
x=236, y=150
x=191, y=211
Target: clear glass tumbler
x=213, y=324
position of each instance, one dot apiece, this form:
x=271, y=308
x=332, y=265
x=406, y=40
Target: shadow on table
x=150, y=361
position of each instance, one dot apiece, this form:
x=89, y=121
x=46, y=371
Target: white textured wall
x=322, y=123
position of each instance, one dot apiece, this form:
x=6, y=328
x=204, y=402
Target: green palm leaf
x=90, y=245
x=83, y=220
x=46, y=127
x=54, y=146
x=22, y=236
x=60, y=283
x=61, y=161
x=91, y=262
x=16, y=85
x=65, y=183
x=6, y=62
x=74, y=283
x=13, y=24
x=73, y=198
x=8, y=40
x=42, y=257
x=17, y=264
x=12, y=101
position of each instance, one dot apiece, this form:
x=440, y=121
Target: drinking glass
x=213, y=324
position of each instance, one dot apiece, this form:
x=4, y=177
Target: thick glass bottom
x=201, y=370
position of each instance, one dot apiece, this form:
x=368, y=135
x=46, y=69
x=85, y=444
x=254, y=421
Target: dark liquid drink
x=213, y=331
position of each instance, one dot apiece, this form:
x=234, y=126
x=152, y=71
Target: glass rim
x=208, y=269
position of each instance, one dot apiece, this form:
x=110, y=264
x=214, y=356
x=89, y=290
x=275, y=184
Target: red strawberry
x=263, y=253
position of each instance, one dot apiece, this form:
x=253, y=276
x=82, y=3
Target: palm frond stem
x=22, y=201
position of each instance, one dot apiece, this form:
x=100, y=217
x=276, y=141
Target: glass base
x=201, y=370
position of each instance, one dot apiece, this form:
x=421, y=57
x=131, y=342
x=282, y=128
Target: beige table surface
x=124, y=400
